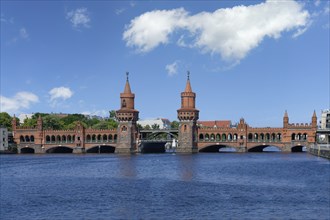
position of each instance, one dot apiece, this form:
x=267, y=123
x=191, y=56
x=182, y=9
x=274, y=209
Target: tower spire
x=127, y=89
x=188, y=86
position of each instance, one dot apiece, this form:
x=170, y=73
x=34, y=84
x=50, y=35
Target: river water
x=165, y=186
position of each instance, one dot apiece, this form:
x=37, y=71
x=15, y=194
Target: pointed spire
x=188, y=86
x=286, y=114
x=314, y=114
x=127, y=89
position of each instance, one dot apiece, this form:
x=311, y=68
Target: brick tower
x=188, y=116
x=127, y=117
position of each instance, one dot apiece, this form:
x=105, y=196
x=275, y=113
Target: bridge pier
x=78, y=150
x=241, y=149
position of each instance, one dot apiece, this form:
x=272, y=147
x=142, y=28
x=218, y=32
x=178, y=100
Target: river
x=165, y=186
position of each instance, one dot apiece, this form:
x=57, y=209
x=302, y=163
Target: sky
x=250, y=59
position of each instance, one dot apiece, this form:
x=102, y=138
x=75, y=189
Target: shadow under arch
x=59, y=149
x=265, y=148
x=102, y=149
x=298, y=149
x=153, y=147
x=27, y=150
x=218, y=149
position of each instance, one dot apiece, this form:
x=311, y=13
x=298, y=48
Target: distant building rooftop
x=215, y=124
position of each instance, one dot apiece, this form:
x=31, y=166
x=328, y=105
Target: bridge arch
x=59, y=149
x=27, y=150
x=265, y=148
x=101, y=149
x=298, y=148
x=216, y=148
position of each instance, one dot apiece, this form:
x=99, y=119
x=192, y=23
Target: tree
x=175, y=125
x=112, y=114
x=53, y=122
x=112, y=124
x=5, y=120
x=29, y=122
x=155, y=126
x=147, y=127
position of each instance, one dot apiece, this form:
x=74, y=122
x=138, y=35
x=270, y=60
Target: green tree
x=101, y=125
x=5, y=120
x=112, y=124
x=112, y=114
x=155, y=126
x=147, y=127
x=53, y=122
x=175, y=125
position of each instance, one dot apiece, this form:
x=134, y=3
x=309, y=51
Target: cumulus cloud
x=79, y=18
x=60, y=93
x=22, y=100
x=172, y=68
x=230, y=32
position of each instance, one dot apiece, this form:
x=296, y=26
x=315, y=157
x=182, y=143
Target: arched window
x=88, y=138
x=123, y=104
x=58, y=138
x=223, y=137
x=235, y=137
x=217, y=137
x=21, y=138
x=115, y=137
x=105, y=138
x=93, y=138
x=110, y=137
x=32, y=138
x=123, y=128
x=212, y=137
x=27, y=139
x=207, y=137
x=47, y=139
x=293, y=136
x=279, y=136
x=230, y=137
x=63, y=138
x=299, y=136
x=201, y=137
x=304, y=137
x=262, y=137
x=69, y=139
x=267, y=137
x=53, y=138
x=256, y=137
x=250, y=137
x=99, y=138
x=273, y=137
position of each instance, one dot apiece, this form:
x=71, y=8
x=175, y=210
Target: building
x=215, y=124
x=3, y=138
x=162, y=123
x=325, y=119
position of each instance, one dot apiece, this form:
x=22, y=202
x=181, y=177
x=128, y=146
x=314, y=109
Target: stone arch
x=262, y=137
x=267, y=137
x=101, y=149
x=58, y=138
x=279, y=136
x=63, y=138
x=212, y=137
x=250, y=136
x=207, y=137
x=105, y=138
x=273, y=137
x=293, y=136
x=260, y=148
x=230, y=137
x=32, y=138
x=115, y=138
x=21, y=138
x=216, y=148
x=235, y=137
x=93, y=138
x=53, y=138
x=59, y=149
x=69, y=138
x=223, y=137
x=110, y=137
x=298, y=148
x=47, y=138
x=217, y=137
x=27, y=138
x=27, y=150
x=99, y=138
x=88, y=138
x=201, y=137
x=304, y=136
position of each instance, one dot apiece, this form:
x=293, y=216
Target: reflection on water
x=165, y=186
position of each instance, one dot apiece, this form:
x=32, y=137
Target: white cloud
x=231, y=32
x=172, y=69
x=60, y=93
x=23, y=33
x=102, y=113
x=79, y=17
x=22, y=100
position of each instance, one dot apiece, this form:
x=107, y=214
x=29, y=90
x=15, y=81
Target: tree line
x=69, y=122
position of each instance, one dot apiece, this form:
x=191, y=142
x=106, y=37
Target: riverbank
x=320, y=150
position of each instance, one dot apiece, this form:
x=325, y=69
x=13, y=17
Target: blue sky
x=251, y=59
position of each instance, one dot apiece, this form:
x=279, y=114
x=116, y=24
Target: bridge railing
x=321, y=146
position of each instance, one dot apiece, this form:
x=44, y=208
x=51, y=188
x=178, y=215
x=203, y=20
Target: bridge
x=192, y=136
